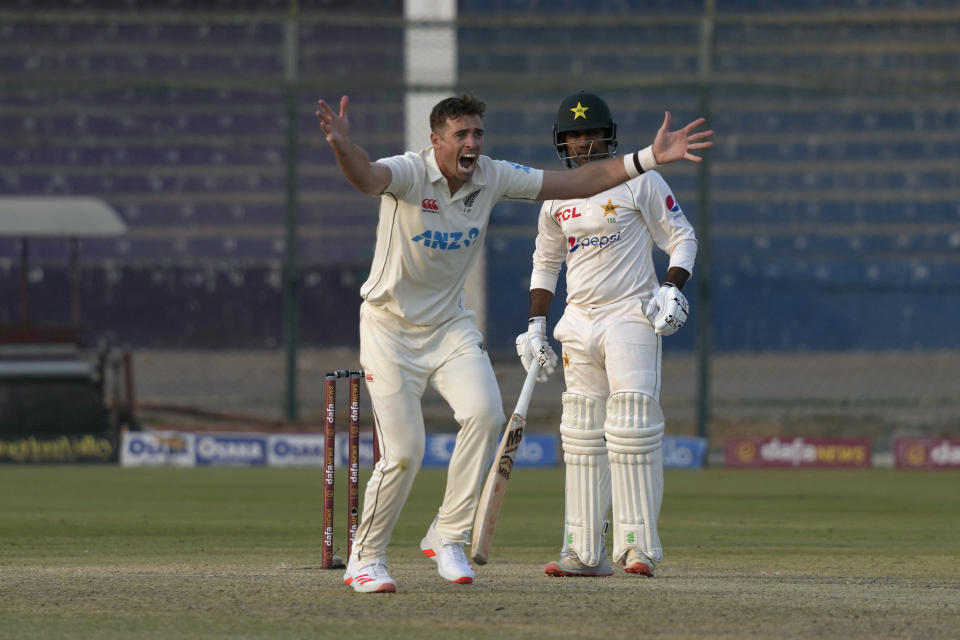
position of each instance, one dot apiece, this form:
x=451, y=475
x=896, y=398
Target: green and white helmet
x=580, y=112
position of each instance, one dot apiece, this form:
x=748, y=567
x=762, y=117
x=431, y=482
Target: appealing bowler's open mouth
x=468, y=161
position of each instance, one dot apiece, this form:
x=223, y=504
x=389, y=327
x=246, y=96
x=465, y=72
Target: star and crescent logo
x=579, y=111
x=609, y=209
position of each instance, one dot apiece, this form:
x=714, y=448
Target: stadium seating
x=176, y=116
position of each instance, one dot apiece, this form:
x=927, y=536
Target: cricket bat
x=488, y=510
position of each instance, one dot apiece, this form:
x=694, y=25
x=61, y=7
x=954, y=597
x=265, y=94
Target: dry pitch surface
x=124, y=553
x=508, y=601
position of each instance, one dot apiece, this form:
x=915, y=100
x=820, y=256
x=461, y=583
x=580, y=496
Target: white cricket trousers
x=400, y=360
x=609, y=349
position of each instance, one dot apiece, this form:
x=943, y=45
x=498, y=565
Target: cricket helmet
x=580, y=112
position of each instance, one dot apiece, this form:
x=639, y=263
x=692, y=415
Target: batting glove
x=667, y=310
x=533, y=346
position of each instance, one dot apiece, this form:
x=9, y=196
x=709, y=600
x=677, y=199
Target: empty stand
x=836, y=172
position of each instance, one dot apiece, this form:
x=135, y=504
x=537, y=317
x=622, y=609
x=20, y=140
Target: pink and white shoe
x=569, y=565
x=369, y=577
x=451, y=561
x=638, y=563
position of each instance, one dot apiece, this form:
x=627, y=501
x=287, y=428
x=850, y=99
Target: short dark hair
x=456, y=107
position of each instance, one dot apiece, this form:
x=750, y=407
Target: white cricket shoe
x=451, y=561
x=569, y=565
x=638, y=562
x=369, y=576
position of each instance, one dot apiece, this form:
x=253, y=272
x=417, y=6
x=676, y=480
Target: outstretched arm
x=594, y=177
x=368, y=177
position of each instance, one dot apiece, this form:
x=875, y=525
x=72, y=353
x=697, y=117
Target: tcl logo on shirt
x=567, y=214
x=429, y=204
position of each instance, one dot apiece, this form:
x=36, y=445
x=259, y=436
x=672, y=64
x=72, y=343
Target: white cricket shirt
x=607, y=241
x=428, y=240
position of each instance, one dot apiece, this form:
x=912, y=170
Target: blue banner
x=684, y=452
x=208, y=449
x=228, y=450
x=536, y=450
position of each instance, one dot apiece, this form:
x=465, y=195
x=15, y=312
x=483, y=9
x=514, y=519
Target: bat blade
x=495, y=487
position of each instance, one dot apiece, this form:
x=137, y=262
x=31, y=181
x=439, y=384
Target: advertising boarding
x=158, y=449
x=851, y=453
x=926, y=453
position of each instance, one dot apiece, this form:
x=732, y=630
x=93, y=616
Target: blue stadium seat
x=815, y=196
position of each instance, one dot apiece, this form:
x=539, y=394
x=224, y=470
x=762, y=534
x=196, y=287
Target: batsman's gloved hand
x=533, y=346
x=667, y=310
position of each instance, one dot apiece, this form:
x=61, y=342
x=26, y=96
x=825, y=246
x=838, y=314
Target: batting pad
x=634, y=431
x=587, y=494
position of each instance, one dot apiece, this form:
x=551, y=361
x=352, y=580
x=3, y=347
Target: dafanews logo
x=446, y=240
x=592, y=241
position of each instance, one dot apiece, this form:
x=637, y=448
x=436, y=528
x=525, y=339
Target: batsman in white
x=414, y=329
x=616, y=312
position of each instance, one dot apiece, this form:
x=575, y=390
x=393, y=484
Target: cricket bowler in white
x=611, y=424
x=414, y=329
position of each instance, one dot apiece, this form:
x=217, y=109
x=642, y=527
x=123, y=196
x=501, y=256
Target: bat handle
x=523, y=402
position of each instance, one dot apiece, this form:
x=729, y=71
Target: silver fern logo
x=470, y=199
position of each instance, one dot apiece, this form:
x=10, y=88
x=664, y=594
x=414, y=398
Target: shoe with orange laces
x=639, y=563
x=369, y=577
x=451, y=561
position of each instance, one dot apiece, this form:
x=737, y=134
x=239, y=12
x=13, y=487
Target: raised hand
x=670, y=146
x=336, y=126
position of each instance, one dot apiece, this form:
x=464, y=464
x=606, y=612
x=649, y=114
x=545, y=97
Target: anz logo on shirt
x=446, y=240
x=518, y=167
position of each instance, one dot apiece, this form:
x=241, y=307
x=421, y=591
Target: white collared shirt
x=607, y=242
x=428, y=240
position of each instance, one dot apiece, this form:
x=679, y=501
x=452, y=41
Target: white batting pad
x=634, y=431
x=587, y=494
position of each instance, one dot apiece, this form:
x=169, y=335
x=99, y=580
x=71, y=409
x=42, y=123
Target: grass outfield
x=108, y=552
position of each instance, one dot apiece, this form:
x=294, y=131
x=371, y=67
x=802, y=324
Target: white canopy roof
x=72, y=216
